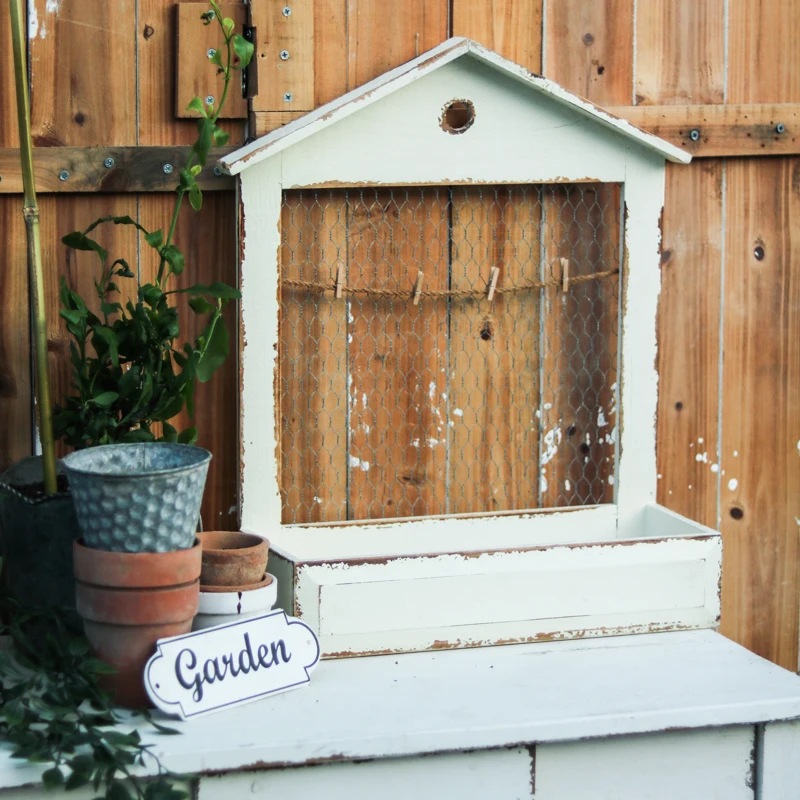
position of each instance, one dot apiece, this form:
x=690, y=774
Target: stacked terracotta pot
x=234, y=582
x=137, y=565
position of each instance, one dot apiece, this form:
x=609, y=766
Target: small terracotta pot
x=232, y=558
x=128, y=601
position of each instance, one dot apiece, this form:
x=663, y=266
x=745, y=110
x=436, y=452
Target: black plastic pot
x=36, y=537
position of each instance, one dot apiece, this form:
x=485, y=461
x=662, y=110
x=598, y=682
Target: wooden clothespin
x=564, y=274
x=340, y=281
x=494, y=276
x=418, y=288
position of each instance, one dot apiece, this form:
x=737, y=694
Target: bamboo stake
x=31, y=214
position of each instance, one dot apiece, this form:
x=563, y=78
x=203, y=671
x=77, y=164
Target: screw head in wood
x=63, y=175
x=780, y=128
x=217, y=171
x=284, y=55
x=287, y=12
x=210, y=100
x=287, y=97
x=108, y=163
x=694, y=134
x=211, y=52
x=168, y=169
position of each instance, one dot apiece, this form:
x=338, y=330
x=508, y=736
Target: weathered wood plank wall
x=729, y=323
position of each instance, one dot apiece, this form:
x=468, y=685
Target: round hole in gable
x=457, y=116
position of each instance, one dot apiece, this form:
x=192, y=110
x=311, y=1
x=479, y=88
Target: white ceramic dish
x=217, y=608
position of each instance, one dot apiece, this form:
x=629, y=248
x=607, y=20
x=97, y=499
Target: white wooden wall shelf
x=442, y=581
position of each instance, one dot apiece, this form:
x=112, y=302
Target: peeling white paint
x=611, y=480
x=568, y=485
x=601, y=418
x=458, y=412
x=715, y=467
x=658, y=477
x=733, y=484
x=357, y=462
x=700, y=440
x=542, y=484
x=702, y=457
x=318, y=501
x=432, y=390
x=736, y=454
x=548, y=406
x=33, y=19
x=552, y=441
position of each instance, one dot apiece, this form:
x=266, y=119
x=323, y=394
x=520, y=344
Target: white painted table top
x=483, y=698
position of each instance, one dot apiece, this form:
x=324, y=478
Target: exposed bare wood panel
x=195, y=76
x=61, y=215
x=761, y=407
x=156, y=37
x=15, y=382
x=680, y=60
x=680, y=51
x=589, y=48
x=313, y=391
x=83, y=72
x=330, y=61
x=582, y=228
x=384, y=35
x=208, y=241
x=397, y=354
x=263, y=122
x=709, y=131
x=494, y=366
x=761, y=385
x=284, y=55
x=9, y=136
x=688, y=339
x=84, y=169
x=763, y=57
x=15, y=350
x=83, y=92
x=509, y=27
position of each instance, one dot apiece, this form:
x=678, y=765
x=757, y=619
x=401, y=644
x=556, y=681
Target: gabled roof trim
x=391, y=81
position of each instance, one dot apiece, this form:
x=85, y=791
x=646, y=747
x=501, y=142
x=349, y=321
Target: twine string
x=316, y=286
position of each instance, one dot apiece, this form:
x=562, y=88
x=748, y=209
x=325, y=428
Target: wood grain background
x=729, y=325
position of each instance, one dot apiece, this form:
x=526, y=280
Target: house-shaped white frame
x=422, y=583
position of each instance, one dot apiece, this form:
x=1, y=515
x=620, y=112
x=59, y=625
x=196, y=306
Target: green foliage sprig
x=135, y=373
x=53, y=712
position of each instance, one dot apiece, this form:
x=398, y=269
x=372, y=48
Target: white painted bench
x=669, y=716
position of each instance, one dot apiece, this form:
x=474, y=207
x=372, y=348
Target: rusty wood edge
x=130, y=169
x=713, y=131
x=375, y=560
x=571, y=635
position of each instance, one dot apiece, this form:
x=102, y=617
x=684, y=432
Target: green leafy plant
x=55, y=713
x=128, y=370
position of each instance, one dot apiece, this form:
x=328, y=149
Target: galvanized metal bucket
x=138, y=498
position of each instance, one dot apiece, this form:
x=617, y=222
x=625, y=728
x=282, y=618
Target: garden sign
x=230, y=665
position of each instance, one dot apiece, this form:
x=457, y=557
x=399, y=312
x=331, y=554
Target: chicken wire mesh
x=403, y=396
